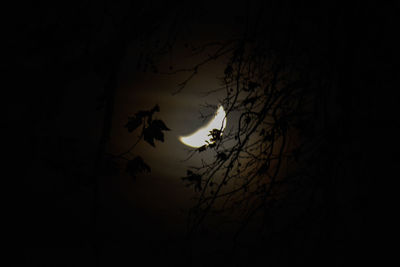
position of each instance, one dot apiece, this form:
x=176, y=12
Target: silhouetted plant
x=151, y=130
x=137, y=165
x=261, y=154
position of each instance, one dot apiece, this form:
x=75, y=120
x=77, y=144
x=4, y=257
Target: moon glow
x=201, y=136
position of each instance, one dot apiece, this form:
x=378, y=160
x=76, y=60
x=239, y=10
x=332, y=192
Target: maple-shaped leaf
x=155, y=131
x=159, y=135
x=148, y=136
x=136, y=166
x=133, y=123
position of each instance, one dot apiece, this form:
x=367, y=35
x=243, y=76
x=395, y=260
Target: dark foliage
x=330, y=211
x=136, y=166
x=151, y=130
x=154, y=132
x=193, y=179
x=296, y=75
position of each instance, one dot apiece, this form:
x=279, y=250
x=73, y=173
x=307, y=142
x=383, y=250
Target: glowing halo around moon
x=201, y=136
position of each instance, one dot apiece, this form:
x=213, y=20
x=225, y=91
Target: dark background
x=59, y=63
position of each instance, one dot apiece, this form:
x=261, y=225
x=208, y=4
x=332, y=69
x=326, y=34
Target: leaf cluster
x=152, y=129
x=248, y=165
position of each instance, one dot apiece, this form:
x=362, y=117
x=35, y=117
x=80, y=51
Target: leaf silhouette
x=133, y=123
x=159, y=135
x=148, y=136
x=202, y=148
x=193, y=179
x=212, y=145
x=154, y=131
x=215, y=135
x=161, y=125
x=156, y=108
x=136, y=166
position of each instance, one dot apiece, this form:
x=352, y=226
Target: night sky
x=75, y=73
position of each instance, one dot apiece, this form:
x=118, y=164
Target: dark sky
x=61, y=60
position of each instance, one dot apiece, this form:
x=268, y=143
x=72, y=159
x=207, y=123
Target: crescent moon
x=201, y=136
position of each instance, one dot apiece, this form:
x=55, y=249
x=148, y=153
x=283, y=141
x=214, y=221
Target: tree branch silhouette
x=257, y=161
x=151, y=130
